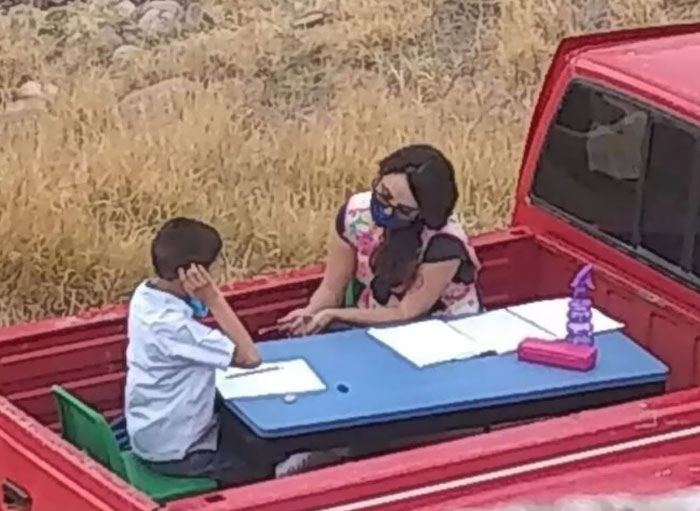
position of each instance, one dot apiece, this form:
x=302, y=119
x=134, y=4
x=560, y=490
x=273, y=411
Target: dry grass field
x=279, y=124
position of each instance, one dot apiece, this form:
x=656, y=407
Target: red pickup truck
x=610, y=175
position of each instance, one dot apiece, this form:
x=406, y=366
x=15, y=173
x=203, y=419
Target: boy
x=172, y=359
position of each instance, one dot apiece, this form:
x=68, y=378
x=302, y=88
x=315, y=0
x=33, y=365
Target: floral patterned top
x=355, y=225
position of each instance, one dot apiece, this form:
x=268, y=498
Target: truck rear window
x=627, y=173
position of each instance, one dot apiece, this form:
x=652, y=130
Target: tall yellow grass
x=287, y=124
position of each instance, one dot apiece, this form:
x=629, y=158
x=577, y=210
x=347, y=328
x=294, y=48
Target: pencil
x=253, y=371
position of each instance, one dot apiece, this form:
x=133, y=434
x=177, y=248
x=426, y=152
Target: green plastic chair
x=88, y=430
x=352, y=293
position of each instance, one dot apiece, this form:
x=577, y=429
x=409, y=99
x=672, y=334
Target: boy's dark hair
x=181, y=242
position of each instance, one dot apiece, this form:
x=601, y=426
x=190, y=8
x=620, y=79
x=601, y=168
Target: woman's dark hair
x=181, y=242
x=431, y=178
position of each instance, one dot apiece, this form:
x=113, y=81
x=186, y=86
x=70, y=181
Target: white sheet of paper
x=551, y=316
x=293, y=376
x=498, y=330
x=426, y=342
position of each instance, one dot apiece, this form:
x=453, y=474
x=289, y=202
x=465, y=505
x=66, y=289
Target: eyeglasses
x=400, y=210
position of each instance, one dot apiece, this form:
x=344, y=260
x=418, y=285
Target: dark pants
x=225, y=465
x=231, y=464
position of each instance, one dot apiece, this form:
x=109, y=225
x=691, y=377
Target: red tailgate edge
x=417, y=476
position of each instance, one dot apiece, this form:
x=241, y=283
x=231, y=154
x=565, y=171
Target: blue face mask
x=384, y=219
x=199, y=308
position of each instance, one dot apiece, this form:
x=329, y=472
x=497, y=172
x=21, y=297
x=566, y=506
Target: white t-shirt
x=170, y=383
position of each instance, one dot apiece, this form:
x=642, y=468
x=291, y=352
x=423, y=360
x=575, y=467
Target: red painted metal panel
x=604, y=65
x=101, y=392
x=470, y=456
x=19, y=343
x=44, y=367
x=673, y=341
x=111, y=320
x=501, y=281
x=55, y=474
x=282, y=291
x=645, y=476
x=668, y=329
x=627, y=309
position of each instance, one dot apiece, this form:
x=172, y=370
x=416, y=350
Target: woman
x=399, y=246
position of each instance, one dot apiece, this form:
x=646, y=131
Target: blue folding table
x=371, y=391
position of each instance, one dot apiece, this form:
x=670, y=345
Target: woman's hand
x=295, y=322
x=320, y=321
x=302, y=322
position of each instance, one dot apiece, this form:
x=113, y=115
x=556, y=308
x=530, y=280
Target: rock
x=208, y=20
x=193, y=15
x=125, y=53
x=595, y=15
x=50, y=89
x=160, y=17
x=107, y=39
x=34, y=90
x=157, y=103
x=125, y=8
x=310, y=19
x=31, y=99
x=20, y=112
x=30, y=89
x=26, y=104
x=56, y=16
x=24, y=16
x=105, y=3
x=132, y=37
x=12, y=118
x=48, y=4
x=39, y=4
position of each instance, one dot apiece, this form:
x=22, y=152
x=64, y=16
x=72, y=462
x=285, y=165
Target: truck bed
x=85, y=354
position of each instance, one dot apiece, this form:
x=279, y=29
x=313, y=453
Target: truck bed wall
x=40, y=472
x=87, y=355
x=499, y=466
x=666, y=329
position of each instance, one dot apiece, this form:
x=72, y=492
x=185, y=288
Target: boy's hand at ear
x=197, y=282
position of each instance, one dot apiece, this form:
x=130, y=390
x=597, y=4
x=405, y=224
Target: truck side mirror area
x=14, y=498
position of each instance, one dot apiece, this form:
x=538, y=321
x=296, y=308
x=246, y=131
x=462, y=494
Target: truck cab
x=612, y=170
x=610, y=175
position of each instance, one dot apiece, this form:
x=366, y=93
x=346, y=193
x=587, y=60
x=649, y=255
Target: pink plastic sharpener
x=564, y=354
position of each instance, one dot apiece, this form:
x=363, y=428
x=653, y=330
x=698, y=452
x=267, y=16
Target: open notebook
x=499, y=330
x=433, y=341
x=550, y=315
x=426, y=342
x=282, y=377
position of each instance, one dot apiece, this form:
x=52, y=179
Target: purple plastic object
x=579, y=328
